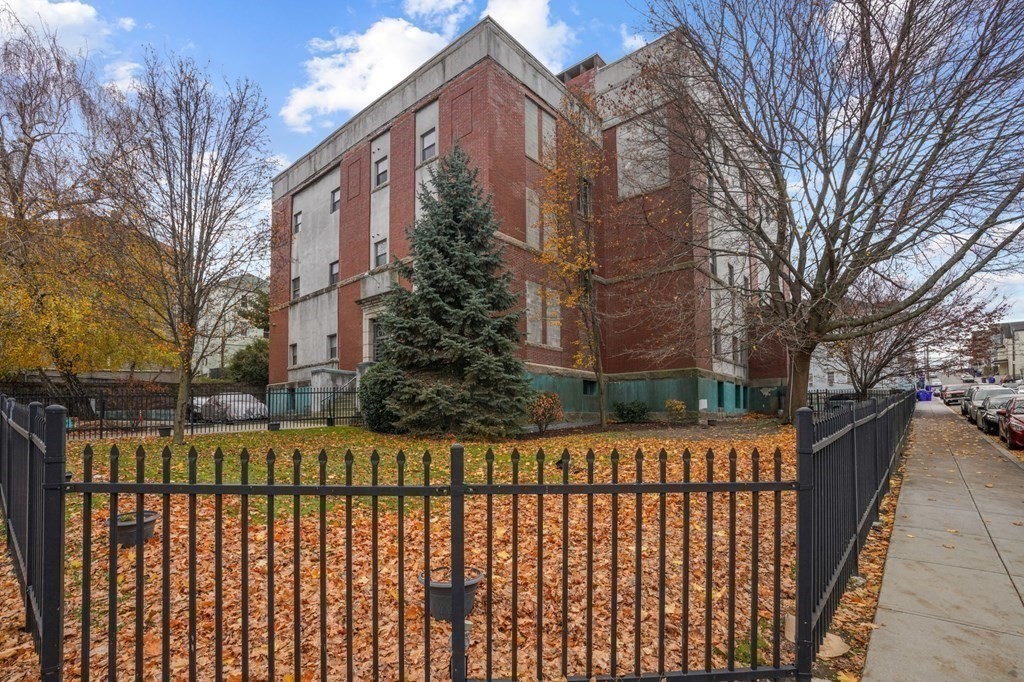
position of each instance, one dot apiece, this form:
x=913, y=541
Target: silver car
x=978, y=400
x=234, y=407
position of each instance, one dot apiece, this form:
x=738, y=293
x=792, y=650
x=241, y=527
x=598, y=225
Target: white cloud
x=121, y=74
x=77, y=24
x=445, y=14
x=126, y=23
x=348, y=72
x=531, y=23
x=631, y=41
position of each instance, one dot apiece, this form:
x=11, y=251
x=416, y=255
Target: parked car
x=234, y=407
x=841, y=400
x=954, y=393
x=988, y=413
x=1011, y=423
x=978, y=399
x=966, y=402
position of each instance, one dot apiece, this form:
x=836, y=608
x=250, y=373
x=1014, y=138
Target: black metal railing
x=32, y=446
x=588, y=566
x=824, y=401
x=844, y=462
x=118, y=412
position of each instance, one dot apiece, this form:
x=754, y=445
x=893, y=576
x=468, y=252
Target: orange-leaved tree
x=571, y=223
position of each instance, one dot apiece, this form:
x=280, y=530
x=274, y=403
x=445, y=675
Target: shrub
x=631, y=412
x=545, y=409
x=375, y=389
x=676, y=410
x=250, y=365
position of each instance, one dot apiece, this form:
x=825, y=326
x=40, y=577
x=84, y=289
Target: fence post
x=856, y=489
x=458, y=568
x=103, y=413
x=34, y=498
x=875, y=474
x=805, y=587
x=51, y=593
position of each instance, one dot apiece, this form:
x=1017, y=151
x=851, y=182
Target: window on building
x=297, y=223
x=380, y=253
x=377, y=337
x=335, y=199
x=589, y=387
x=732, y=275
x=543, y=316
x=295, y=288
x=428, y=145
x=380, y=171
x=831, y=378
x=716, y=341
x=713, y=261
x=532, y=219
x=333, y=273
x=332, y=346
x=540, y=132
x=584, y=198
x=293, y=354
x=736, y=350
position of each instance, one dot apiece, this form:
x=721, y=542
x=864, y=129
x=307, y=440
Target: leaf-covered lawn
x=379, y=573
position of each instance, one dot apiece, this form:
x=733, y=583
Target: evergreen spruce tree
x=453, y=337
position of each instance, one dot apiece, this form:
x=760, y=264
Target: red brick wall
x=483, y=111
x=280, y=284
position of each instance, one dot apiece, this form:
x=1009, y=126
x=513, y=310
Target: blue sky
x=320, y=62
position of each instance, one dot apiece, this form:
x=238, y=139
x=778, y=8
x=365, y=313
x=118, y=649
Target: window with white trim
x=380, y=253
x=335, y=199
x=293, y=354
x=380, y=172
x=297, y=223
x=428, y=145
x=332, y=346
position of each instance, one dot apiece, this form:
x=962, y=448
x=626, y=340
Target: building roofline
x=326, y=153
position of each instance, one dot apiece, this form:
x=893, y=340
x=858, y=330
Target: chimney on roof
x=594, y=61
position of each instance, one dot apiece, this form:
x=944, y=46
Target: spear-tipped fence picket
x=326, y=574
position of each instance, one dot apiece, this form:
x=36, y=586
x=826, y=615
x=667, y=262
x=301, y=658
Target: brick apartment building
x=341, y=213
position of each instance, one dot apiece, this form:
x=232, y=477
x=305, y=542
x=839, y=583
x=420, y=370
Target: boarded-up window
x=534, y=313
x=547, y=140
x=543, y=316
x=552, y=318
x=532, y=219
x=642, y=158
x=532, y=130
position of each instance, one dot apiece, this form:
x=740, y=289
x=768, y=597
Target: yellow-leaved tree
x=572, y=223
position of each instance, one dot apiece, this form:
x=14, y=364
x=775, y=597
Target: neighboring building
x=1009, y=350
x=342, y=211
x=223, y=331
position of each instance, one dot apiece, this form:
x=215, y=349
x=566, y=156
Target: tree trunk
x=181, y=403
x=799, y=375
x=602, y=409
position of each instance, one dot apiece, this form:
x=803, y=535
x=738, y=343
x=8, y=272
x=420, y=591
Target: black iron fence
x=824, y=401
x=586, y=566
x=844, y=462
x=32, y=446
x=115, y=412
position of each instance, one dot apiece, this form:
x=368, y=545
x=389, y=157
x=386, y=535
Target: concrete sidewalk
x=951, y=606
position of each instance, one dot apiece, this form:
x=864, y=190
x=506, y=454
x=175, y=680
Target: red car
x=1011, y=423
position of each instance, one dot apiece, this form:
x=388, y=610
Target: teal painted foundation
x=720, y=395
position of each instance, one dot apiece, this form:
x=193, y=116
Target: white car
x=234, y=407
